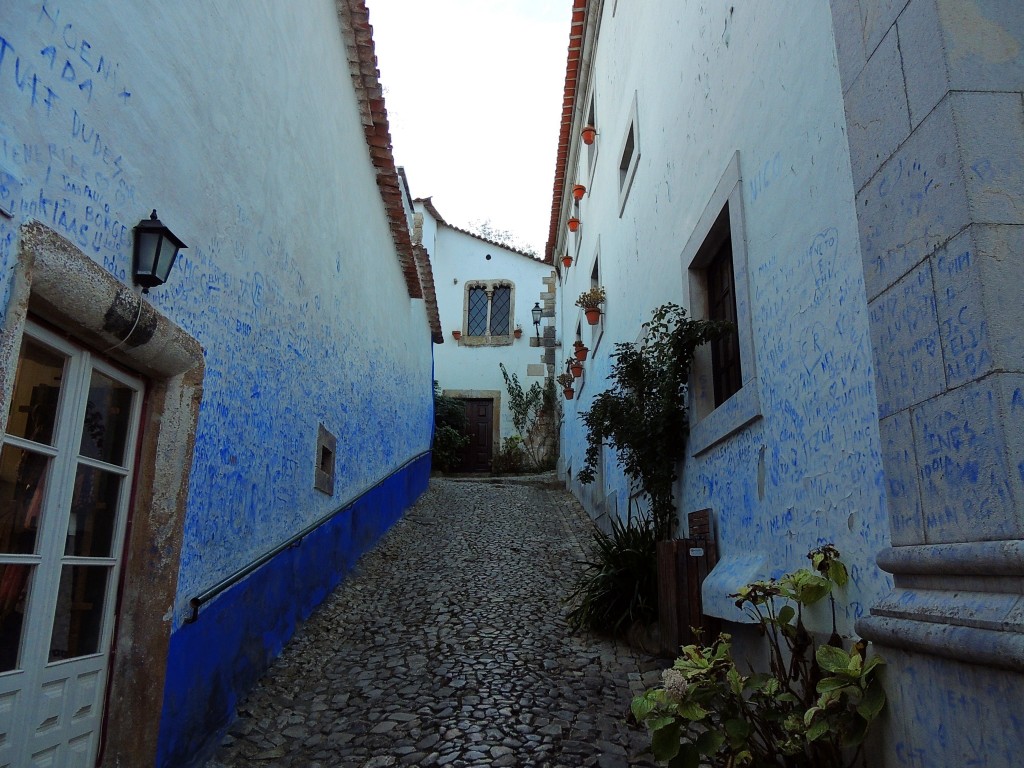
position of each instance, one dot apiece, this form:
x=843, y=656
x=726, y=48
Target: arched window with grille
x=489, y=309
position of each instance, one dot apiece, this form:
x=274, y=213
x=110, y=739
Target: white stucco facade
x=469, y=366
x=742, y=106
x=246, y=130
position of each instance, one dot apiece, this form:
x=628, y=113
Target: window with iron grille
x=489, y=309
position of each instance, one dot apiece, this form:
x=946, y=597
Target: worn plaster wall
x=706, y=81
x=457, y=258
x=933, y=96
x=241, y=127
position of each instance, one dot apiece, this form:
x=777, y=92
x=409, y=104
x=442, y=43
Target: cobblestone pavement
x=448, y=647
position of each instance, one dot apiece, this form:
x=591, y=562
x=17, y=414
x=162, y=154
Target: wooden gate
x=683, y=564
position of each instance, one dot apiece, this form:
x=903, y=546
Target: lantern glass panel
x=146, y=244
x=165, y=260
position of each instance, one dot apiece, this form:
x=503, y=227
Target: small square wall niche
x=326, y=450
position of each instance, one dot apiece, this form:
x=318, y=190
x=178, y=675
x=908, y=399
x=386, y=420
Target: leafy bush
x=812, y=710
x=643, y=415
x=450, y=436
x=511, y=458
x=536, y=417
x=618, y=586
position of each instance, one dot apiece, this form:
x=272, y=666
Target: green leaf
x=873, y=701
x=738, y=731
x=665, y=742
x=661, y=722
x=816, y=731
x=837, y=572
x=709, y=742
x=832, y=659
x=786, y=614
x=641, y=707
x=856, y=734
x=870, y=664
x=691, y=710
x=832, y=684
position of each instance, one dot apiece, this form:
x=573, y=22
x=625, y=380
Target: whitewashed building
x=847, y=185
x=186, y=473
x=486, y=295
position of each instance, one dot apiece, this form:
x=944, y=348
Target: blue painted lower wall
x=215, y=661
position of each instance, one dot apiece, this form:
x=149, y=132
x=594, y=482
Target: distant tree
x=487, y=229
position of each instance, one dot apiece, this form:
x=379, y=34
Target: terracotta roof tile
x=362, y=59
x=429, y=205
x=579, y=14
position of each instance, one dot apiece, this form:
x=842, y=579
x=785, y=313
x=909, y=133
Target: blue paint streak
x=213, y=663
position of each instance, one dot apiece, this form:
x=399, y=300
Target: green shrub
x=511, y=458
x=812, y=710
x=618, y=586
x=449, y=431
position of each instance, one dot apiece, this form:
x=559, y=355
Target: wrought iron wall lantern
x=155, y=250
x=537, y=312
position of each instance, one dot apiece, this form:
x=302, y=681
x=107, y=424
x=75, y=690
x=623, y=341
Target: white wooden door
x=66, y=464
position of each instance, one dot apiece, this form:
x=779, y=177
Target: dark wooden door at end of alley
x=477, y=455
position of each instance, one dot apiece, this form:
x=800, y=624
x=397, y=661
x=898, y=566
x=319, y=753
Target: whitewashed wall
x=709, y=80
x=458, y=257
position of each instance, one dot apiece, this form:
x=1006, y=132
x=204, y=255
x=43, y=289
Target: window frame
x=627, y=174
x=488, y=338
x=711, y=423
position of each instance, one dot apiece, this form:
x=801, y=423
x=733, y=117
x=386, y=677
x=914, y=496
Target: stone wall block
x=876, y=20
x=984, y=41
x=1011, y=405
x=925, y=68
x=846, y=20
x=977, y=275
x=966, y=487
x=876, y=111
x=905, y=337
x=902, y=482
x=916, y=202
x=990, y=127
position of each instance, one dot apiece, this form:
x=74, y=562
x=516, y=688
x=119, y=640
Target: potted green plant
x=575, y=367
x=590, y=302
x=565, y=381
x=581, y=349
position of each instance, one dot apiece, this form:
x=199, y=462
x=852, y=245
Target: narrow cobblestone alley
x=448, y=646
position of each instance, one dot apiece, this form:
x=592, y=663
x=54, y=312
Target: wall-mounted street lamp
x=155, y=250
x=536, y=312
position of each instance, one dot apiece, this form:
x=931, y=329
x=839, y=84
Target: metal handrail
x=241, y=573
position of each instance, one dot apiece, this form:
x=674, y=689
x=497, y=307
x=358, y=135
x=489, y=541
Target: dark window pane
x=14, y=583
x=36, y=392
x=725, y=357
x=106, y=419
x=477, y=321
x=78, y=619
x=501, y=312
x=22, y=486
x=93, y=513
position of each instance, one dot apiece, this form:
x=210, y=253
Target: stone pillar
x=935, y=120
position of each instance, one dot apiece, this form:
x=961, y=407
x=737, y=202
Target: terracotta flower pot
x=456, y=335
x=578, y=191
x=567, y=261
x=589, y=133
x=518, y=333
x=573, y=224
x=569, y=393
x=593, y=315
x=577, y=369
x=581, y=353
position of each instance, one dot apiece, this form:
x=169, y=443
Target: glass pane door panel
x=36, y=392
x=78, y=620
x=93, y=513
x=14, y=584
x=22, y=485
x=107, y=414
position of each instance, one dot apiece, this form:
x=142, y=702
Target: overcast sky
x=474, y=97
